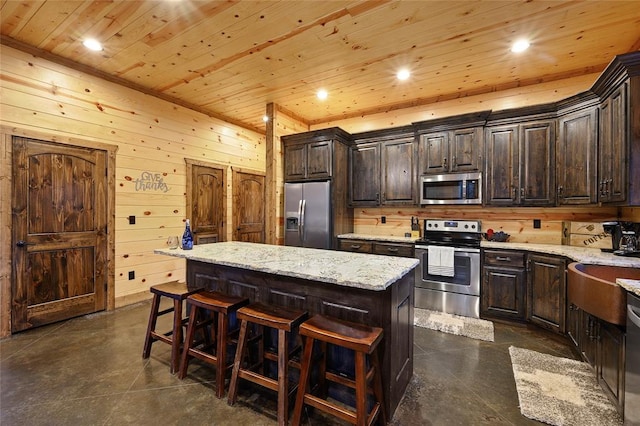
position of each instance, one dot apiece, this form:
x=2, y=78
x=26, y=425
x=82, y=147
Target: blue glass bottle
x=187, y=237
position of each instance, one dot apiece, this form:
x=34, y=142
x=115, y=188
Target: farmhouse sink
x=593, y=288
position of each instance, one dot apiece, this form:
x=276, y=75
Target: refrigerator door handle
x=303, y=208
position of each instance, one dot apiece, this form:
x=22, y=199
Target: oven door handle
x=456, y=249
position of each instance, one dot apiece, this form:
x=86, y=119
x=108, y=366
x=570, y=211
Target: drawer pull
x=392, y=250
x=355, y=246
x=503, y=259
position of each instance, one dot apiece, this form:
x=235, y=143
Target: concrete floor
x=89, y=371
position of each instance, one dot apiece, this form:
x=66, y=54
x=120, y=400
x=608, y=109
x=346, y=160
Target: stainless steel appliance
x=451, y=287
x=452, y=188
x=624, y=237
x=632, y=363
x=308, y=214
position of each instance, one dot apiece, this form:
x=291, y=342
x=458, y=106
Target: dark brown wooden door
x=295, y=162
x=364, y=175
x=466, y=148
x=319, y=156
x=59, y=232
x=613, y=147
x=248, y=207
x=207, y=204
x=433, y=152
x=501, y=177
x=576, y=165
x=547, y=289
x=537, y=164
x=398, y=172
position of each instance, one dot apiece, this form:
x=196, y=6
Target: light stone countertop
x=590, y=256
x=632, y=286
x=366, y=271
x=385, y=238
x=585, y=255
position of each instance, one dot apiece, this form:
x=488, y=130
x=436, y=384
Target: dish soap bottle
x=187, y=237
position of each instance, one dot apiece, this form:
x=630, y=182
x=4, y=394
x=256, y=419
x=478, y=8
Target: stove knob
x=466, y=226
x=436, y=225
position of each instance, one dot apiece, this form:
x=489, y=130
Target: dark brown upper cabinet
x=452, y=144
x=520, y=157
x=576, y=150
x=308, y=161
x=613, y=144
x=619, y=131
x=382, y=168
x=364, y=174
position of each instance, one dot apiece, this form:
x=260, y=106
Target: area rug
x=560, y=391
x=454, y=324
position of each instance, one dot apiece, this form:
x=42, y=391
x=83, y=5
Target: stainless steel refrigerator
x=308, y=214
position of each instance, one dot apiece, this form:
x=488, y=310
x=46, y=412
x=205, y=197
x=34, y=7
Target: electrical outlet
x=132, y=220
x=536, y=223
x=132, y=275
x=383, y=219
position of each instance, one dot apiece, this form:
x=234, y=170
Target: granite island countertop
x=366, y=271
x=632, y=286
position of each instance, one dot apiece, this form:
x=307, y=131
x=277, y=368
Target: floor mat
x=560, y=391
x=454, y=324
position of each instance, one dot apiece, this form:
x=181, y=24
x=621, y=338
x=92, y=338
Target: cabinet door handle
x=503, y=258
x=522, y=192
x=560, y=191
x=444, y=163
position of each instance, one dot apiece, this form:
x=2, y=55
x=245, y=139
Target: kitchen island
x=370, y=289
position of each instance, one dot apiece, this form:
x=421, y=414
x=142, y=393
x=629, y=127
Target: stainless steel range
x=448, y=276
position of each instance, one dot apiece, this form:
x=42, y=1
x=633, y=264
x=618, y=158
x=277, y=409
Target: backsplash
x=517, y=221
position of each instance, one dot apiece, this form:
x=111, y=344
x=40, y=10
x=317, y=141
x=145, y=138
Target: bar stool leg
x=153, y=318
x=242, y=341
x=361, y=389
x=191, y=330
x=377, y=385
x=303, y=383
x=176, y=340
x=283, y=385
x=221, y=354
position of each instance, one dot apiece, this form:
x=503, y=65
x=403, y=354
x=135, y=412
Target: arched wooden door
x=206, y=204
x=59, y=232
x=248, y=207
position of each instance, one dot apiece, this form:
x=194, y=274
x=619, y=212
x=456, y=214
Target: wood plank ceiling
x=230, y=58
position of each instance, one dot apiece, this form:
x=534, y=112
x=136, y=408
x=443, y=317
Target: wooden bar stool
x=177, y=292
x=284, y=321
x=364, y=341
x=218, y=306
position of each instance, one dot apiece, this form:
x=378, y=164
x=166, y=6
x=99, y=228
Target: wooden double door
x=59, y=232
x=207, y=205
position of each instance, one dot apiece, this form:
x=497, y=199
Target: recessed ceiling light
x=520, y=46
x=265, y=118
x=322, y=94
x=92, y=44
x=403, y=74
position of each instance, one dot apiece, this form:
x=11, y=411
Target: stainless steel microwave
x=452, y=188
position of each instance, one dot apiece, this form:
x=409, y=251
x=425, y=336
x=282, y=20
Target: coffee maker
x=624, y=237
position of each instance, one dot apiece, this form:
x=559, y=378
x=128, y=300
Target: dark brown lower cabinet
x=547, y=291
x=524, y=286
x=602, y=345
x=503, y=285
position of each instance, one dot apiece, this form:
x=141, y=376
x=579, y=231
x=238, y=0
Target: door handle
x=22, y=243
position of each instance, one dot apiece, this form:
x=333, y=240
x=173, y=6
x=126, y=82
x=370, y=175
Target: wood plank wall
x=153, y=136
x=518, y=222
